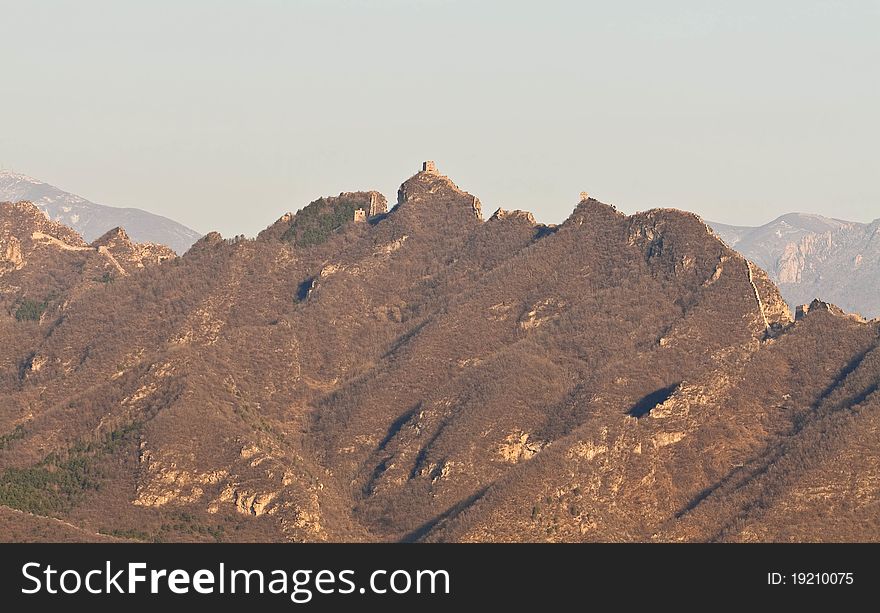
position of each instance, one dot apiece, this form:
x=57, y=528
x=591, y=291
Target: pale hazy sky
x=224, y=115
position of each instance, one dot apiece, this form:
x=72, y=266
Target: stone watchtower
x=430, y=167
x=377, y=206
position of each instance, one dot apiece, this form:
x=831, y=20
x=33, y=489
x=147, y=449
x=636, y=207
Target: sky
x=224, y=115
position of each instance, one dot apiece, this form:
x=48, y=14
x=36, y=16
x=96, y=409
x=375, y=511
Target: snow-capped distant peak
x=92, y=220
x=17, y=176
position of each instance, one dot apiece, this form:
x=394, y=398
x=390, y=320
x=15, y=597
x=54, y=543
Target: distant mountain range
x=92, y=220
x=810, y=256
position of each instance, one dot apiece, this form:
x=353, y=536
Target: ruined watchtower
x=429, y=166
x=377, y=205
x=360, y=215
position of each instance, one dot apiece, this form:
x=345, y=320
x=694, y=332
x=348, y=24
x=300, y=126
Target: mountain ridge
x=422, y=375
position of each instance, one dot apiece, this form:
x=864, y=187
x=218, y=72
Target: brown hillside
x=422, y=374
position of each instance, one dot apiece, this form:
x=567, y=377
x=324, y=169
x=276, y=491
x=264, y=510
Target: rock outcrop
x=117, y=243
x=820, y=305
x=524, y=216
x=431, y=186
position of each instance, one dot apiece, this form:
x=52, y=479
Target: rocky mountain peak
x=23, y=219
x=112, y=237
x=117, y=243
x=590, y=210
x=429, y=185
x=515, y=215
x=209, y=240
x=277, y=229
x=817, y=306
